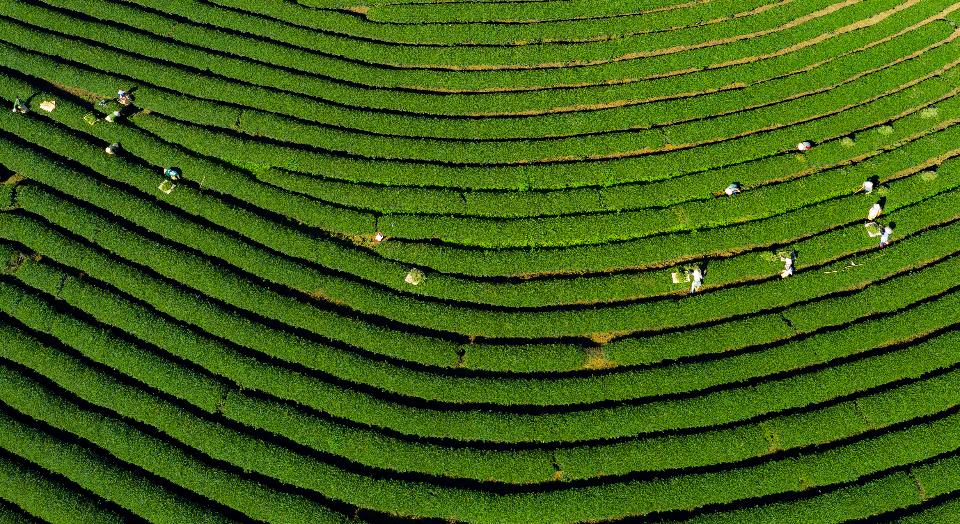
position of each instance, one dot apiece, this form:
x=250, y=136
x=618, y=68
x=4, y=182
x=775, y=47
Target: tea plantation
x=490, y=261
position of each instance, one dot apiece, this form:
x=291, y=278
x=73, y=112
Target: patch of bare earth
x=596, y=357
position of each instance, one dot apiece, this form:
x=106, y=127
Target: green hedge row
x=322, y=62
x=878, y=498
x=662, y=249
x=854, y=339
x=489, y=173
x=848, y=504
x=813, y=90
x=657, y=452
x=885, y=93
x=290, y=274
x=271, y=267
x=89, y=189
x=135, y=206
x=772, y=55
x=90, y=470
x=907, y=126
x=643, y=350
x=641, y=168
x=641, y=383
x=167, y=376
x=604, y=419
x=542, y=32
x=938, y=482
x=777, y=21
x=796, y=434
x=519, y=78
x=610, y=195
x=12, y=514
x=689, y=191
x=327, y=420
x=408, y=101
x=944, y=208
x=505, y=153
x=45, y=499
x=682, y=189
x=581, y=122
x=765, y=202
x=874, y=372
x=211, y=176
x=131, y=446
x=246, y=71
x=213, y=280
x=525, y=13
x=888, y=450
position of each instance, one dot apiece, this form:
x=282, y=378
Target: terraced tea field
x=476, y=261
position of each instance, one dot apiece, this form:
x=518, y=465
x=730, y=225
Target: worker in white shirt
x=788, y=263
x=885, y=236
x=697, y=275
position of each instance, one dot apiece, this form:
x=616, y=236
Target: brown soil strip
x=744, y=60
x=322, y=296
x=658, y=52
x=507, y=21
x=729, y=87
x=89, y=96
x=598, y=39
x=613, y=104
x=621, y=36
x=862, y=24
x=672, y=147
x=596, y=357
x=14, y=179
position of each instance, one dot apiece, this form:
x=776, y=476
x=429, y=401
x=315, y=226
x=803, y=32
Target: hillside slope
x=481, y=261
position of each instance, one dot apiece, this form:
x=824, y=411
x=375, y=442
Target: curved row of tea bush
x=67, y=419
x=427, y=261
x=185, y=257
x=147, y=366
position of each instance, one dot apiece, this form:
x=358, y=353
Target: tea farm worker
x=697, y=283
x=806, y=145
x=868, y=186
x=124, y=97
x=885, y=236
x=112, y=149
x=875, y=211
x=788, y=262
x=112, y=116
x=732, y=189
x=19, y=107
x=172, y=173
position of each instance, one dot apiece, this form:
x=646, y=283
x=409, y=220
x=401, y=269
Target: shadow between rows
x=460, y=483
